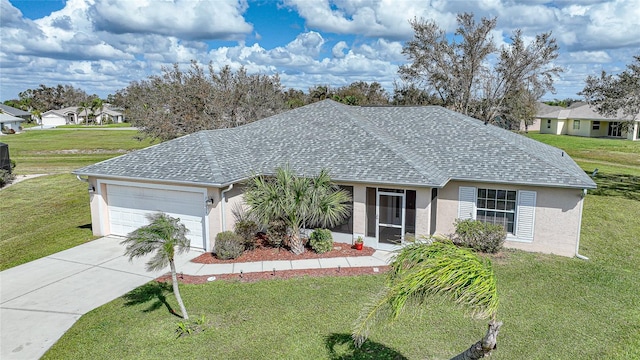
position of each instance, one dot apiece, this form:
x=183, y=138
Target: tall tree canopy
x=469, y=74
x=45, y=98
x=181, y=102
x=615, y=95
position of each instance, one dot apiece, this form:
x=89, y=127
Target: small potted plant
x=359, y=243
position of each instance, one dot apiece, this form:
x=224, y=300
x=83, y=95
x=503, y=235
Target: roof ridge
x=510, y=139
x=209, y=153
x=396, y=147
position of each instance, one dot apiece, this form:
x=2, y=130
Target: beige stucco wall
x=557, y=216
x=423, y=209
x=634, y=134
x=558, y=127
x=584, y=130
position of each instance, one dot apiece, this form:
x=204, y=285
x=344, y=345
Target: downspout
x=222, y=207
x=584, y=194
x=90, y=188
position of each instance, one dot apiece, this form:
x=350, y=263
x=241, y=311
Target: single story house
x=15, y=112
x=10, y=123
x=410, y=170
x=583, y=120
x=76, y=115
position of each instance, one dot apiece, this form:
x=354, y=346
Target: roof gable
x=417, y=146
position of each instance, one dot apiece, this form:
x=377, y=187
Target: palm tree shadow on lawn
x=153, y=292
x=341, y=347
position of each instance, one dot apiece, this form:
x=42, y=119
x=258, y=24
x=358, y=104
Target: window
x=497, y=207
x=549, y=124
x=576, y=124
x=500, y=207
x=596, y=125
x=346, y=226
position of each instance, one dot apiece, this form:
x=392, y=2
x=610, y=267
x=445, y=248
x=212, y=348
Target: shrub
x=247, y=230
x=479, y=236
x=229, y=245
x=5, y=178
x=321, y=240
x=276, y=233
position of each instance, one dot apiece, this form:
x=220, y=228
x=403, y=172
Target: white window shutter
x=466, y=203
x=525, y=214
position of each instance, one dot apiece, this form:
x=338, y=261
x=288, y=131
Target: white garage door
x=53, y=120
x=129, y=205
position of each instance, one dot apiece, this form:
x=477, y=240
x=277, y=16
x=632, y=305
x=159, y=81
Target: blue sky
x=101, y=46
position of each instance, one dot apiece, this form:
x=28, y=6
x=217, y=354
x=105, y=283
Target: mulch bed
x=266, y=253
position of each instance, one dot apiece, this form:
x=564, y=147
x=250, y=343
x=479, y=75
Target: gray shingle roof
x=13, y=111
x=418, y=146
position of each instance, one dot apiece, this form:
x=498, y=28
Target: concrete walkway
x=42, y=299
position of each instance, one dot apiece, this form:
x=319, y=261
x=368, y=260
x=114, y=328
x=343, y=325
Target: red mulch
x=265, y=253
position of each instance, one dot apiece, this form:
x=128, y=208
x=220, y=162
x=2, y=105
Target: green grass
x=552, y=308
x=118, y=125
x=42, y=216
x=60, y=151
x=611, y=156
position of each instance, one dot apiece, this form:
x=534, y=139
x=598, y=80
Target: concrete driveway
x=40, y=300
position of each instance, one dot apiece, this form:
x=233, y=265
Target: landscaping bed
x=267, y=253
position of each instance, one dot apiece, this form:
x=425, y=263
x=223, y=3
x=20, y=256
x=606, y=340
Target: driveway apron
x=42, y=299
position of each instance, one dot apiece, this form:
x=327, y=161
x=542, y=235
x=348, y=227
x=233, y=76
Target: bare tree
x=460, y=73
x=182, y=102
x=616, y=95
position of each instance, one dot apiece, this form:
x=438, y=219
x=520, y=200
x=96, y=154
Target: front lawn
x=42, y=216
x=60, y=151
x=612, y=156
x=553, y=308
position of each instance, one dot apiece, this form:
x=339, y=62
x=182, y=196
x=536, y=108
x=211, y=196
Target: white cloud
x=590, y=57
x=187, y=19
x=372, y=18
x=338, y=49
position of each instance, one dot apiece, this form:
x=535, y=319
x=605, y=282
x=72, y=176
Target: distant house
x=15, y=112
x=10, y=124
x=583, y=120
x=411, y=170
x=76, y=115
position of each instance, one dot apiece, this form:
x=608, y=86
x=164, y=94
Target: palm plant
x=423, y=270
x=163, y=235
x=298, y=201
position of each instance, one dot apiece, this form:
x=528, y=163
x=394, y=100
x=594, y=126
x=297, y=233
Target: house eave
x=540, y=184
x=145, y=179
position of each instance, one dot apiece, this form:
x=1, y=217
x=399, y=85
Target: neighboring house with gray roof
x=25, y=115
x=411, y=170
x=583, y=120
x=10, y=123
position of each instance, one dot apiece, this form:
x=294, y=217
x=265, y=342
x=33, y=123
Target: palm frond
x=422, y=271
x=162, y=235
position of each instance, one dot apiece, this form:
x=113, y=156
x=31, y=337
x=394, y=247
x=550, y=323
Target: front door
x=390, y=215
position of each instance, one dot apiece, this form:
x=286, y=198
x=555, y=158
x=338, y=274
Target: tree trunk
x=296, y=244
x=176, y=291
x=483, y=347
